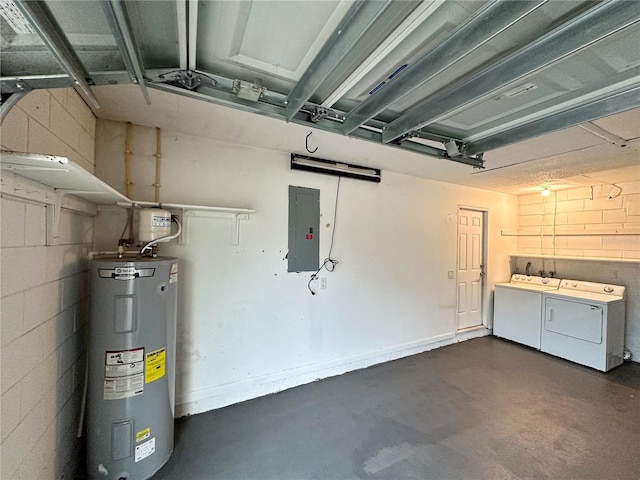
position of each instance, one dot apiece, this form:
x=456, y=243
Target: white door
x=470, y=267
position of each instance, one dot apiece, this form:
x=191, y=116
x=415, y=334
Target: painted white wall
x=246, y=326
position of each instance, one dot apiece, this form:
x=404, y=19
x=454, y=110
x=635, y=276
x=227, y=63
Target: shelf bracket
x=235, y=218
x=183, y=217
x=53, y=213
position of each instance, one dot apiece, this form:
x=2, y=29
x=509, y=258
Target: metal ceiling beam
x=598, y=22
x=48, y=29
x=621, y=101
x=301, y=117
x=598, y=131
x=360, y=17
x=34, y=82
x=484, y=25
x=192, y=32
x=183, y=32
x=118, y=19
x=406, y=28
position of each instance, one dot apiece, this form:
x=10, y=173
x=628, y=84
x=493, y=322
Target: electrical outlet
x=323, y=283
x=450, y=274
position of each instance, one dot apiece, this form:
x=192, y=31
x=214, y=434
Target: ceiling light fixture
x=545, y=192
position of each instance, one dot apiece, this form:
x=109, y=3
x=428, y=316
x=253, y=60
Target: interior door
x=470, y=267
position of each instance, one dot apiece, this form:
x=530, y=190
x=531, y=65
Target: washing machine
x=584, y=322
x=517, y=308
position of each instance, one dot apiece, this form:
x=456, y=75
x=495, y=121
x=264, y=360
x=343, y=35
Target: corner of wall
x=44, y=292
x=53, y=122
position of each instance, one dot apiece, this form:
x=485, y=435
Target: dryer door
x=574, y=319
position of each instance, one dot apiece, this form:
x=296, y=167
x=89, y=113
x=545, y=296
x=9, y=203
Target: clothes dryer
x=584, y=322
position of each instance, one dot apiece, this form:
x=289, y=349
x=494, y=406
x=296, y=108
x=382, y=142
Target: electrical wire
x=613, y=185
x=329, y=263
x=127, y=225
x=163, y=239
x=335, y=216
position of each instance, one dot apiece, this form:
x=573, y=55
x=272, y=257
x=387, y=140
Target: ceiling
x=528, y=92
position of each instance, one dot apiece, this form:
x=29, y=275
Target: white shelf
x=67, y=178
x=188, y=211
x=590, y=259
x=64, y=176
x=547, y=232
x=191, y=208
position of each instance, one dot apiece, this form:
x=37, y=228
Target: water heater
x=130, y=402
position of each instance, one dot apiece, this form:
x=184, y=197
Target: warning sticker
x=125, y=370
x=173, y=276
x=145, y=449
x=125, y=356
x=155, y=365
x=143, y=434
x=125, y=387
x=123, y=374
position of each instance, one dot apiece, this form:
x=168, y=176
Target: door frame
x=483, y=287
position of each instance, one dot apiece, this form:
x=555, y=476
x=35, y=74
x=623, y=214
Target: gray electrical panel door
x=304, y=229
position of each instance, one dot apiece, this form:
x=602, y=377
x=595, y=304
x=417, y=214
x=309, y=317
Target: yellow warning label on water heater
x=155, y=365
x=143, y=434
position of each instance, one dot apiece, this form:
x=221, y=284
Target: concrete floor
x=482, y=409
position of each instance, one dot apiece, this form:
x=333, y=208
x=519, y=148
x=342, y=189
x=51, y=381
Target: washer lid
x=531, y=282
x=588, y=297
x=592, y=287
x=591, y=291
x=528, y=287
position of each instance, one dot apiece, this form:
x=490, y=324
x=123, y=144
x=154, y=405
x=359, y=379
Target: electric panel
x=304, y=229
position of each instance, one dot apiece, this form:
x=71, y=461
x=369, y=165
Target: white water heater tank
x=153, y=223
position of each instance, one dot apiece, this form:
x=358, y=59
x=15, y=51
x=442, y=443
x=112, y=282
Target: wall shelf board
x=62, y=175
x=588, y=259
x=180, y=206
x=188, y=211
x=572, y=233
x=67, y=178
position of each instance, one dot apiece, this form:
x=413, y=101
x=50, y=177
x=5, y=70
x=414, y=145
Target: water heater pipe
x=127, y=161
x=158, y=156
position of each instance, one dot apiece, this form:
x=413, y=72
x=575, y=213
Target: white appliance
x=584, y=322
x=518, y=308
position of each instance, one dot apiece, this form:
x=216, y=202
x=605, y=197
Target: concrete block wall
x=582, y=210
x=54, y=122
x=44, y=302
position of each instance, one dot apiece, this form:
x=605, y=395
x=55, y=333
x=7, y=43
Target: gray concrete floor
x=481, y=409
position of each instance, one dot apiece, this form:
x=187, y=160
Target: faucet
x=542, y=273
x=527, y=269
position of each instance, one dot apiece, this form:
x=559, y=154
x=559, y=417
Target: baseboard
x=228, y=394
